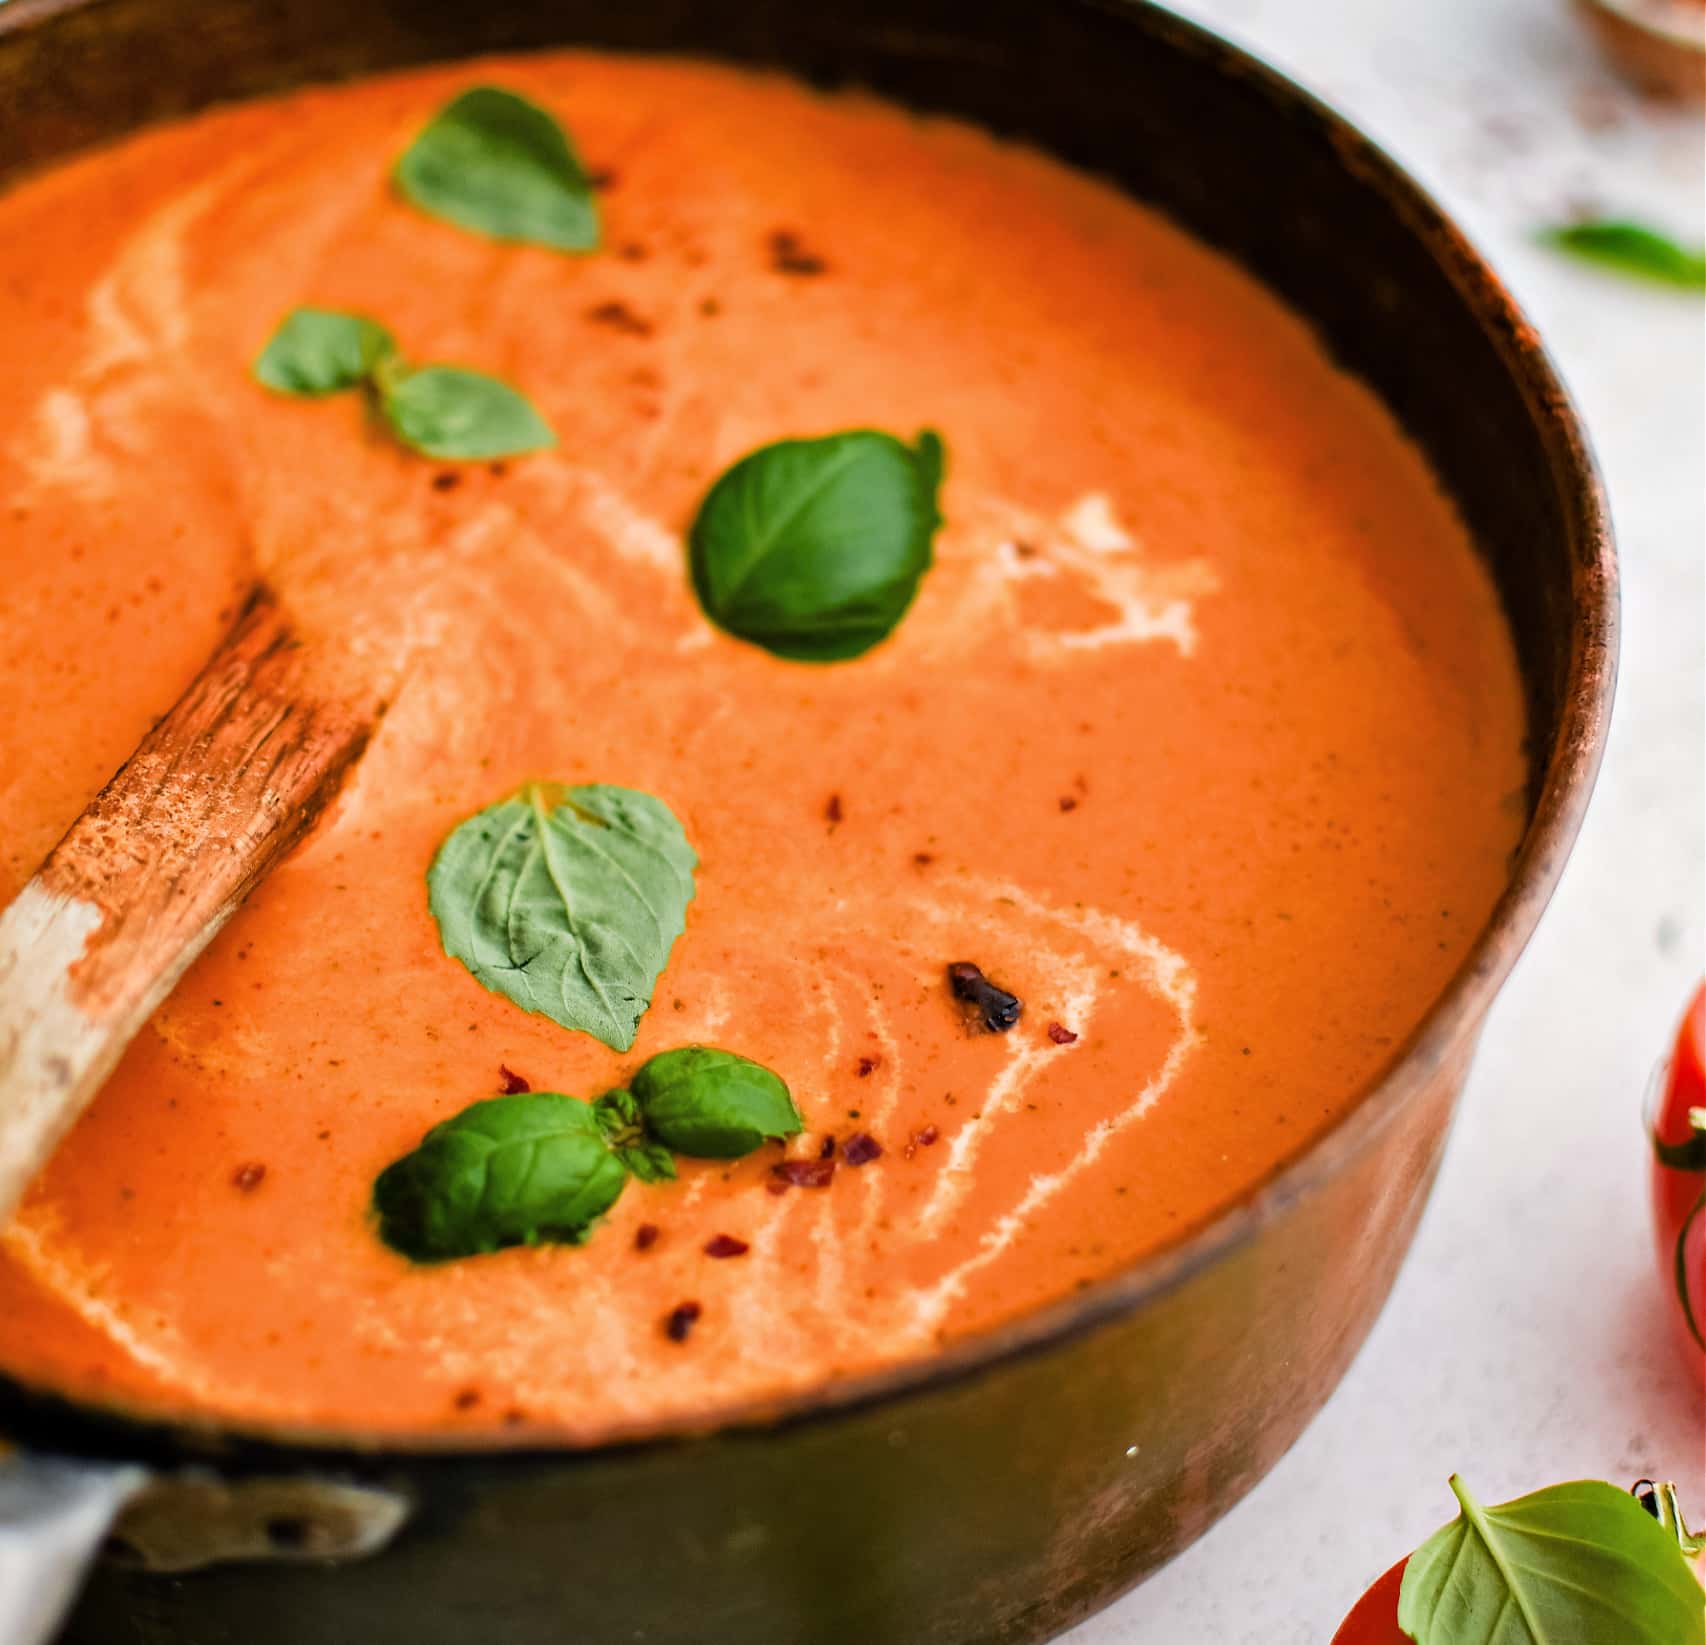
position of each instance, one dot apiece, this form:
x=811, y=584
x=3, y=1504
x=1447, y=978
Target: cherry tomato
x=1677, y=1126
x=1375, y=1620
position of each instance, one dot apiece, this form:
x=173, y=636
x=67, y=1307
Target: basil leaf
x=508, y=1171
x=1632, y=248
x=493, y=162
x=814, y=549
x=567, y=901
x=618, y=1116
x=445, y=411
x=1573, y=1563
x=322, y=351
x=712, y=1104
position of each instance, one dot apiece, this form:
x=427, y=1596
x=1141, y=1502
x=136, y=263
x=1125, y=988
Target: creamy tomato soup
x=1202, y=738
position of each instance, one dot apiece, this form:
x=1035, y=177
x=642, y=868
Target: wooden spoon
x=214, y=795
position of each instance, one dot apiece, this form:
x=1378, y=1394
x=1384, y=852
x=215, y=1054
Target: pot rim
x=119, y=1428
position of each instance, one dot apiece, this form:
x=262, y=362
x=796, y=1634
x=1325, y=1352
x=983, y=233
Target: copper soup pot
x=1005, y=1489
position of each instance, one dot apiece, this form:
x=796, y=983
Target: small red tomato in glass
x=1375, y=1620
x=1676, y=1124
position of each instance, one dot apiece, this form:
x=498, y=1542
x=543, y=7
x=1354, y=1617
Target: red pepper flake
x=601, y=177
x=923, y=858
x=861, y=1148
x=805, y=1173
x=510, y=1082
x=868, y=1066
x=1025, y=551
x=467, y=1399
x=247, y=1178
x=619, y=317
x=680, y=1320
x=646, y=1236
x=710, y=307
x=445, y=480
x=1068, y=802
x=922, y=1138
x=826, y=1148
x=776, y=1186
x=832, y=811
x=726, y=1245
x=788, y=255
x=633, y=252
x=1060, y=1034
x=514, y=1417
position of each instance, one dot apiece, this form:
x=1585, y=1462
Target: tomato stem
x=1688, y=1155
x=1662, y=1502
x=1682, y=1156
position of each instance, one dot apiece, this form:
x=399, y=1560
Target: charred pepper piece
x=993, y=1007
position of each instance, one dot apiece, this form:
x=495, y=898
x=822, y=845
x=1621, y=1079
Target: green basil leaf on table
x=1633, y=248
x=514, y=1170
x=713, y=1104
x=1566, y=1565
x=453, y=413
x=567, y=901
x=500, y=165
x=814, y=549
x=619, y=1118
x=322, y=351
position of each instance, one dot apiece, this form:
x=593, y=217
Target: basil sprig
x=625, y=1134
x=567, y=901
x=441, y=411
x=507, y=1171
x=1566, y=1565
x=495, y=163
x=538, y=1166
x=1632, y=248
x=713, y=1104
x=814, y=549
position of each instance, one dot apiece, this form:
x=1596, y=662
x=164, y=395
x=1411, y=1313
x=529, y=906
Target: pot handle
x=54, y=1514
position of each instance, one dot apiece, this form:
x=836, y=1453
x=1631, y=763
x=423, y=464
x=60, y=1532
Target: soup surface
x=1202, y=737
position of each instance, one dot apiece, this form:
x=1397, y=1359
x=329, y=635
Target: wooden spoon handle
x=214, y=795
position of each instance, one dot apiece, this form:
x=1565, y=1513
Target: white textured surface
x=1526, y=1341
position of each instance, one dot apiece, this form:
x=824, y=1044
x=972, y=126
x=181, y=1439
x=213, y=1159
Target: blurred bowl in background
x=1659, y=44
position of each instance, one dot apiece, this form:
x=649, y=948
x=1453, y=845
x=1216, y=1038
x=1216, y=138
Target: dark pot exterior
x=1001, y=1494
